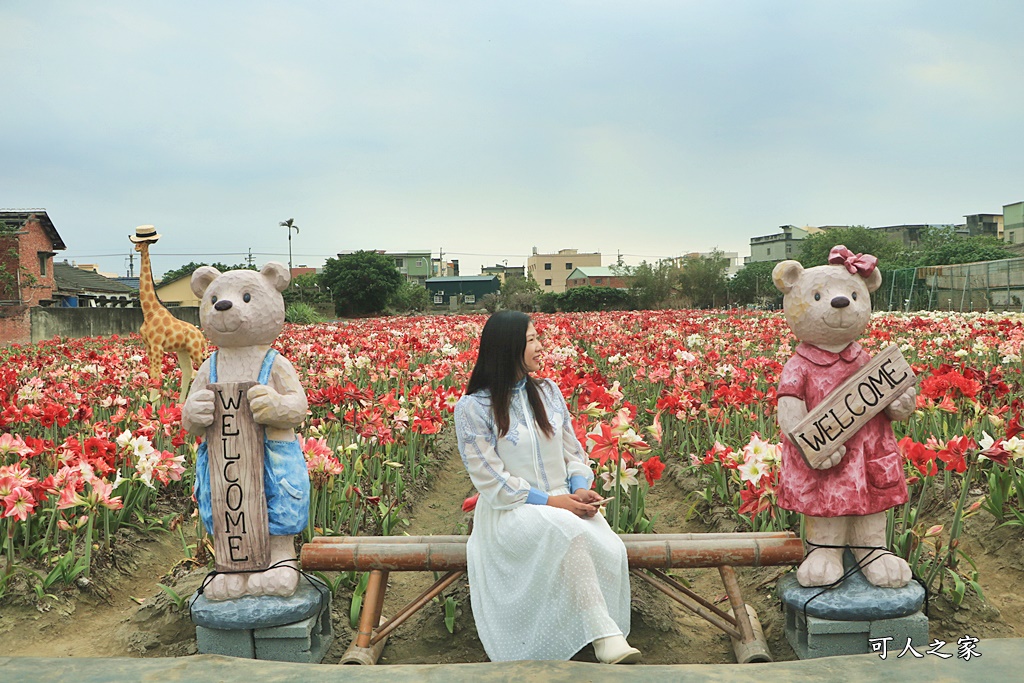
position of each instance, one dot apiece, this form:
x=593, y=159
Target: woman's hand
x=573, y=504
x=587, y=495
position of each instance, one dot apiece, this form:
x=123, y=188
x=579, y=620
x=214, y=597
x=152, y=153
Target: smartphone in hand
x=603, y=501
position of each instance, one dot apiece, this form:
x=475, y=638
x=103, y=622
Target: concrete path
x=1001, y=660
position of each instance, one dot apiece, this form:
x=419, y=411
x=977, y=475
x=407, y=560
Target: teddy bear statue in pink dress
x=844, y=497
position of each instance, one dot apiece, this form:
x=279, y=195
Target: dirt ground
x=123, y=613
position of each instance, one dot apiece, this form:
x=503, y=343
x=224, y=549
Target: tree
x=753, y=285
x=306, y=288
x=519, y=293
x=652, y=285
x=940, y=245
x=362, y=282
x=193, y=266
x=891, y=254
x=410, y=297
x=703, y=281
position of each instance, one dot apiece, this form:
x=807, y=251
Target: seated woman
x=547, y=575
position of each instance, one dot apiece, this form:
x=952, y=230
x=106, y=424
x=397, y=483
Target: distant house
x=77, y=288
x=1013, y=223
x=551, y=270
x=780, y=246
x=503, y=272
x=177, y=292
x=466, y=289
x=597, y=276
x=28, y=242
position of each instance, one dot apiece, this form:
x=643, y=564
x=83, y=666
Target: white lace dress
x=543, y=582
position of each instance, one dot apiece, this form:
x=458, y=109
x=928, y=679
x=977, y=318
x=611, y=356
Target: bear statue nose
x=225, y=304
x=837, y=302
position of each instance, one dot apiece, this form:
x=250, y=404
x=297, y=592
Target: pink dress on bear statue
x=869, y=478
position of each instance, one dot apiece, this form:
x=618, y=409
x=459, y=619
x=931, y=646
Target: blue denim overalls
x=285, y=477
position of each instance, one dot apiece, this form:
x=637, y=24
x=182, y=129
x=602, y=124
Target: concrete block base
x=812, y=637
x=305, y=641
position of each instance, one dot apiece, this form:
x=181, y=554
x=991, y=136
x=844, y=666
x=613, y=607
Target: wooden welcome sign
x=852, y=404
x=241, y=538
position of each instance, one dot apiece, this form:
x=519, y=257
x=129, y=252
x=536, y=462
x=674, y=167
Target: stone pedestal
x=842, y=620
x=293, y=629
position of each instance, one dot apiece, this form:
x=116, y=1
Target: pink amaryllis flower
x=12, y=443
x=19, y=504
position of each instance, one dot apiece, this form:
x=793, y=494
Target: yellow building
x=177, y=292
x=551, y=270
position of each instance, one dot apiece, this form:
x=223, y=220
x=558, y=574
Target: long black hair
x=499, y=365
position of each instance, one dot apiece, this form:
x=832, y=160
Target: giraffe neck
x=147, y=290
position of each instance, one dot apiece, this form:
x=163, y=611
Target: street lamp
x=290, y=224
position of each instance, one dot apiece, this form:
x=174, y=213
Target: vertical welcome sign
x=241, y=538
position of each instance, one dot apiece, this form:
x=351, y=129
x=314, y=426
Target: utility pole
x=131, y=263
x=442, y=270
x=251, y=261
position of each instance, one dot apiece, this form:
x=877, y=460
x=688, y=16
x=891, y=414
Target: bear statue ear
x=278, y=275
x=874, y=281
x=201, y=279
x=786, y=274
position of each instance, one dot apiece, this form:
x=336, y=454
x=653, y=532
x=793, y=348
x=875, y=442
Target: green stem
x=88, y=544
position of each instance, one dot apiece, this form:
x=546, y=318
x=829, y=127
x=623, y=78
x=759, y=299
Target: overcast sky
x=488, y=128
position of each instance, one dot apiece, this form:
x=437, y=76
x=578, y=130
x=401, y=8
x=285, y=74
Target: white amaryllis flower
x=1016, y=447
x=752, y=470
x=123, y=439
x=627, y=477
x=684, y=356
x=140, y=446
x=960, y=353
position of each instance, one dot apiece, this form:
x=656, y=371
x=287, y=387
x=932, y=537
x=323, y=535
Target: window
x=399, y=263
x=547, y=266
x=547, y=282
x=43, y=258
x=419, y=263
x=439, y=298
x=568, y=266
x=597, y=280
x=471, y=298
x=769, y=251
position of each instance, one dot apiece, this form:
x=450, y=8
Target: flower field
x=83, y=454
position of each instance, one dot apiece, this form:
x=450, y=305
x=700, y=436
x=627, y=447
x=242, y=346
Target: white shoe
x=615, y=650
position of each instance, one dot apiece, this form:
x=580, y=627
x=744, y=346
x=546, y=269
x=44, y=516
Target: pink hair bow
x=855, y=263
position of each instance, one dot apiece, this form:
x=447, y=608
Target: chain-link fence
x=983, y=286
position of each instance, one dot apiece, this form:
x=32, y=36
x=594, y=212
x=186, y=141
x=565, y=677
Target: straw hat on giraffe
x=145, y=233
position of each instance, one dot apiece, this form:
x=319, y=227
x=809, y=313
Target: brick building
x=28, y=242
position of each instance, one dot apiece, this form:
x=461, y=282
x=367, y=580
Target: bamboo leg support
x=398, y=619
x=691, y=605
x=362, y=650
x=751, y=646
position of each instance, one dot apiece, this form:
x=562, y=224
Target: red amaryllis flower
x=919, y=456
x=955, y=453
x=604, y=443
x=653, y=467
x=469, y=504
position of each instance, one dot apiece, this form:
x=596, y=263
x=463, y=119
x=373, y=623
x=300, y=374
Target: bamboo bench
x=649, y=555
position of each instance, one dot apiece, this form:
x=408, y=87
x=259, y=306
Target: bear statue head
x=829, y=306
x=241, y=307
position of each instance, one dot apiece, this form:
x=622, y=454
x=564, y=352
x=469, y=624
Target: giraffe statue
x=162, y=332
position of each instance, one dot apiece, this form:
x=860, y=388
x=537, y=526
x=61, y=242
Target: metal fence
x=984, y=286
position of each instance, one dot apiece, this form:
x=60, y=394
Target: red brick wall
x=15, y=321
x=9, y=259
x=32, y=243
x=15, y=325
